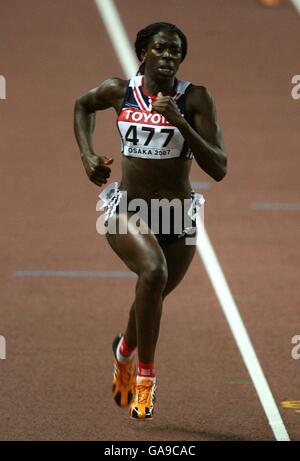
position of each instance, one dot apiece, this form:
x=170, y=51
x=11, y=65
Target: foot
x=123, y=378
x=142, y=403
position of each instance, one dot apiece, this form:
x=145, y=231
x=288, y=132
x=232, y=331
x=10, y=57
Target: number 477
x=131, y=135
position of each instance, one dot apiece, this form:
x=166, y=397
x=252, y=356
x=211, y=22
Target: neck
x=153, y=86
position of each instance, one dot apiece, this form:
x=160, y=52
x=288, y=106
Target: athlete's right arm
x=109, y=94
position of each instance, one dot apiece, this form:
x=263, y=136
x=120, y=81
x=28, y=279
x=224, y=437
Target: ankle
x=146, y=370
x=125, y=352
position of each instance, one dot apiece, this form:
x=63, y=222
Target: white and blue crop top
x=147, y=134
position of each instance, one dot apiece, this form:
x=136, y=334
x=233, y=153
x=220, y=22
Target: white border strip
x=296, y=4
x=114, y=26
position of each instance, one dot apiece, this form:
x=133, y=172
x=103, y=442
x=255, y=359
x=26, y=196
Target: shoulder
x=115, y=83
x=199, y=99
x=110, y=93
x=112, y=88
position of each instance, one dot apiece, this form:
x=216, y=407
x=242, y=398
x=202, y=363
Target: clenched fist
x=166, y=106
x=96, y=168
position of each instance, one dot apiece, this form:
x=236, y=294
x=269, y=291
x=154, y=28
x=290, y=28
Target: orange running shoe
x=123, y=378
x=143, y=400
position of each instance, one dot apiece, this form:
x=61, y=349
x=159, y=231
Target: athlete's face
x=163, y=55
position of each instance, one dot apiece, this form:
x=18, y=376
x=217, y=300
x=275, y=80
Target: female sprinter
x=163, y=122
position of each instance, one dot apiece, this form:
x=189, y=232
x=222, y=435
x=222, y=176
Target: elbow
x=77, y=106
x=222, y=171
x=76, y=112
x=221, y=174
x=81, y=110
x=81, y=106
x=77, y=109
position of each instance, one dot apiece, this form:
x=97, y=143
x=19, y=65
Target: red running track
x=56, y=379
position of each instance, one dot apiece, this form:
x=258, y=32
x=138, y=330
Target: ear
x=143, y=55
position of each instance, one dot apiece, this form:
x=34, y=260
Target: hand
x=96, y=168
x=166, y=106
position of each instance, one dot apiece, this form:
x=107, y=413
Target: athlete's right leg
x=130, y=335
x=143, y=255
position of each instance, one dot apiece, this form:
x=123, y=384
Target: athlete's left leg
x=178, y=256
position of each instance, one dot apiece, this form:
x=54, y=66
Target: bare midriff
x=148, y=178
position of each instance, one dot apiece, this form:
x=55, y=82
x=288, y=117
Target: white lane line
x=118, y=36
x=239, y=332
x=296, y=4
x=276, y=206
x=218, y=280
x=201, y=185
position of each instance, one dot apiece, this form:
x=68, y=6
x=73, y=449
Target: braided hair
x=143, y=37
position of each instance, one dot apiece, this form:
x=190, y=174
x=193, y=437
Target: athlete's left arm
x=204, y=137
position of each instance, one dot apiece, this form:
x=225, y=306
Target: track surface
x=56, y=381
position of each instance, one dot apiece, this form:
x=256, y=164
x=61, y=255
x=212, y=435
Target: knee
x=155, y=276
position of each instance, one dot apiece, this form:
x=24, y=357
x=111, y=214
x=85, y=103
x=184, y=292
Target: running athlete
x=164, y=123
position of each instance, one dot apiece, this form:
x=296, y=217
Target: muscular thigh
x=139, y=251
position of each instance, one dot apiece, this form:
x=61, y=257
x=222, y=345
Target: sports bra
x=147, y=134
